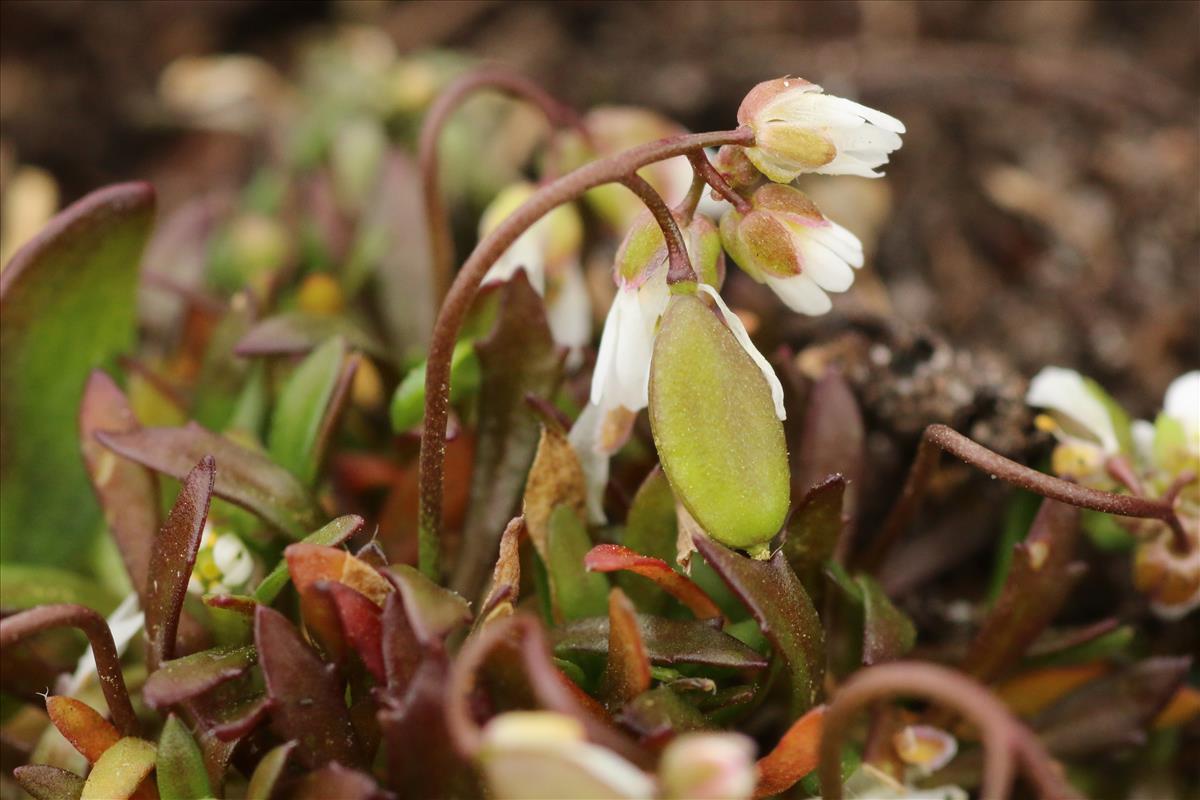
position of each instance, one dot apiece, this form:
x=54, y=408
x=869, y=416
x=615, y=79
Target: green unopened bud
x=715, y=425
x=644, y=250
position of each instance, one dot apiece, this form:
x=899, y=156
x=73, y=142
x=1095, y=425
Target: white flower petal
x=743, y=337
x=603, y=374
x=1063, y=391
x=570, y=313
x=1182, y=402
x=1142, y=433
x=801, y=294
x=841, y=241
x=829, y=270
x=594, y=461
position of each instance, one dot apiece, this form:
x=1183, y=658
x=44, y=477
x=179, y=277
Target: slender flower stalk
x=441, y=242
x=466, y=283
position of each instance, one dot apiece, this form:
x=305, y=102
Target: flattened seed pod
x=715, y=427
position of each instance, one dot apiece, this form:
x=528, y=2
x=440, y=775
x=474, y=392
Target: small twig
x=21, y=626
x=716, y=180
x=940, y=437
x=679, y=268
x=441, y=240
x=466, y=284
x=1003, y=735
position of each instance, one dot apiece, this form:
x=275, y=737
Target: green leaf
x=246, y=477
x=577, y=592
x=25, y=586
x=650, y=529
x=301, y=408
x=179, y=767
x=408, y=403
x=669, y=642
x=44, y=782
x=184, y=678
x=267, y=773
x=330, y=535
x=67, y=305
x=888, y=633
x=714, y=424
x=518, y=358
x=777, y=600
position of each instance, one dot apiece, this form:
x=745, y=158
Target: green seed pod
x=718, y=437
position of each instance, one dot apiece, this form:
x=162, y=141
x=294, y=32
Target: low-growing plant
x=503, y=582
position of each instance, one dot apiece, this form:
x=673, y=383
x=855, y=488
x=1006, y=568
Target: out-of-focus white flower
x=925, y=747
x=708, y=766
x=786, y=242
x=223, y=564
x=798, y=128
x=1182, y=403
x=1090, y=427
x=548, y=252
x=870, y=783
x=543, y=755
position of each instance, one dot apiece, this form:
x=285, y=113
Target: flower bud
x=798, y=128
x=644, y=251
x=1170, y=578
x=786, y=242
x=731, y=161
x=708, y=766
x=716, y=423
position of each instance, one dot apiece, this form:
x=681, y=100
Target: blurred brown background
x=1044, y=207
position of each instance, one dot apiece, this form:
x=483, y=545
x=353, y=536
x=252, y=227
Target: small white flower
x=1182, y=403
x=622, y=375
x=786, y=242
x=543, y=755
x=709, y=766
x=1078, y=413
x=798, y=128
x=223, y=564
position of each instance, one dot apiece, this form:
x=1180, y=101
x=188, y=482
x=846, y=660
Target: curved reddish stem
x=1003, y=734
x=713, y=177
x=466, y=283
x=940, y=437
x=441, y=240
x=679, y=267
x=20, y=626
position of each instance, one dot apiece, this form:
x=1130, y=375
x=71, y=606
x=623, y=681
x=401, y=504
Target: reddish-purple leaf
x=776, y=599
x=1040, y=578
x=127, y=491
x=832, y=442
x=401, y=650
x=814, y=530
x=1113, y=711
x=627, y=670
x=332, y=534
x=335, y=781
x=296, y=333
x=309, y=700
x=361, y=625
x=238, y=722
x=668, y=642
x=184, y=678
x=433, y=612
x=614, y=557
x=49, y=783
x=267, y=773
x=172, y=560
x=421, y=760
x=247, y=477
x=518, y=358
x=887, y=633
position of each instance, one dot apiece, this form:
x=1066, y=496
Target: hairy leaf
x=668, y=642
x=577, y=592
x=776, y=599
x=302, y=405
x=172, y=560
x=1037, y=585
x=49, y=783
x=627, y=669
x=66, y=307
x=119, y=771
x=308, y=701
x=247, y=478
x=184, y=678
x=614, y=557
x=331, y=535
x=127, y=491
x=179, y=767
x=267, y=773
x=518, y=358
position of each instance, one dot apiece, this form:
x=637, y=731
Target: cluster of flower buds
x=716, y=404
x=1099, y=446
